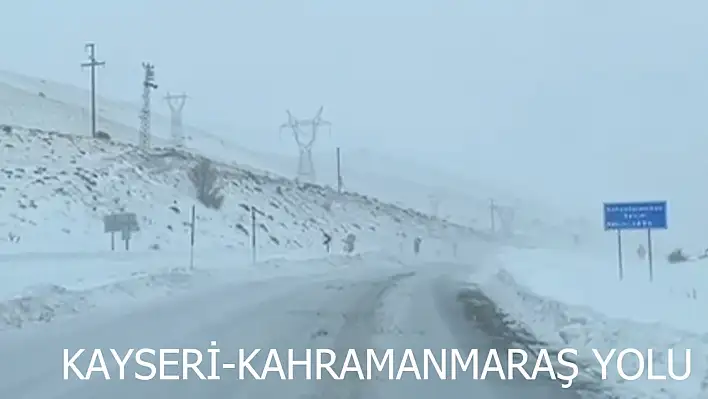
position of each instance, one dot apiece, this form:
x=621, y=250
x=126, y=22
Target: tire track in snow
x=360, y=325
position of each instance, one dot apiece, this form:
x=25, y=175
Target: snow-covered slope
x=57, y=184
x=37, y=103
x=56, y=188
x=566, y=300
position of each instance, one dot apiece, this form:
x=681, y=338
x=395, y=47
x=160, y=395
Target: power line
x=92, y=63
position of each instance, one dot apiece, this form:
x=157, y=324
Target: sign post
x=492, y=207
x=619, y=254
x=124, y=223
x=647, y=216
x=339, y=171
x=253, y=234
x=650, y=256
x=192, y=225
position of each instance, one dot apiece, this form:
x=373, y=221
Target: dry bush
x=205, y=179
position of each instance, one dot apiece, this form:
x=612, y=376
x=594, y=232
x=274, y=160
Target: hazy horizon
x=569, y=101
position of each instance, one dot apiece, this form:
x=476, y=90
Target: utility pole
x=492, y=209
x=253, y=234
x=176, y=104
x=192, y=226
x=339, y=171
x=146, y=113
x=92, y=63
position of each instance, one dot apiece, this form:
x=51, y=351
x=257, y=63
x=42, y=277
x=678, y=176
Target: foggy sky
x=574, y=101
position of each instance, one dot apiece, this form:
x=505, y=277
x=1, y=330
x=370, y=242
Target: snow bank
x=565, y=300
x=52, y=291
x=593, y=282
x=46, y=302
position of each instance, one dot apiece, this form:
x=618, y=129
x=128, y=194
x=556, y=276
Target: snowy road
x=392, y=307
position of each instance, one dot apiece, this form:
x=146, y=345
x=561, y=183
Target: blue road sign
x=635, y=215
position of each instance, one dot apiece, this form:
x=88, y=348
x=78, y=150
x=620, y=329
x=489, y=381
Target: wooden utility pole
x=92, y=63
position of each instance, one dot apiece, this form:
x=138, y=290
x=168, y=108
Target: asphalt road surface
x=389, y=307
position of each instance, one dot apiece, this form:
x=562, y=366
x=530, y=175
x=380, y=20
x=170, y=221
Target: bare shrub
x=677, y=256
x=205, y=179
x=327, y=205
x=100, y=134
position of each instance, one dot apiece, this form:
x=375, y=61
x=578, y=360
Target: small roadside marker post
x=253, y=234
x=192, y=226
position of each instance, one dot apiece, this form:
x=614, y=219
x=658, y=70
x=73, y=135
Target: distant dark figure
x=327, y=241
x=416, y=245
x=677, y=256
x=349, y=241
x=641, y=252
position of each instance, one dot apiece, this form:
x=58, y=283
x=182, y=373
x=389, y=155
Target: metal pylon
x=306, y=165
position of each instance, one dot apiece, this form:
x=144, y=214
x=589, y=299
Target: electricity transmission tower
x=176, y=104
x=505, y=215
x=145, y=113
x=506, y=219
x=434, y=204
x=92, y=63
x=306, y=166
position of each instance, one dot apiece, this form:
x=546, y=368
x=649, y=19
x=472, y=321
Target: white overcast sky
x=575, y=100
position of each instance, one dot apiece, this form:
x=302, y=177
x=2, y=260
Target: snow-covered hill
x=56, y=188
x=57, y=184
x=50, y=106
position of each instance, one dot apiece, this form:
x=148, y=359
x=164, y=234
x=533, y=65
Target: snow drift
x=550, y=299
